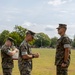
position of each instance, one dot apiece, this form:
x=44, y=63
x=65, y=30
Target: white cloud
x=29, y=24
x=57, y=2
x=49, y=28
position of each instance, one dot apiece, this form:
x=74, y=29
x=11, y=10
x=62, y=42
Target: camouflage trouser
x=7, y=71
x=25, y=68
x=25, y=72
x=61, y=71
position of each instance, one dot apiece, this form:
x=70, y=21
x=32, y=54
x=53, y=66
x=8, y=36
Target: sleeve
x=66, y=42
x=23, y=50
x=13, y=47
x=7, y=51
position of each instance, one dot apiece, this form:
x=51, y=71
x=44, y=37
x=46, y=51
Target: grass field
x=45, y=64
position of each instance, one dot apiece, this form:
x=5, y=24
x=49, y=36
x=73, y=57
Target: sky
x=38, y=15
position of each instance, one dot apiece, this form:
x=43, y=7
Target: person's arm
x=8, y=51
x=24, y=53
x=66, y=54
x=67, y=51
x=11, y=53
x=27, y=56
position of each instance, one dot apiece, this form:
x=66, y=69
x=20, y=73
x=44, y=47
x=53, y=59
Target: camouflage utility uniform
x=62, y=43
x=7, y=61
x=25, y=65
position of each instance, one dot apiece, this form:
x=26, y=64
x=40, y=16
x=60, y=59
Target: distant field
x=45, y=64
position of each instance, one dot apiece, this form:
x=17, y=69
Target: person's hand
x=16, y=50
x=63, y=65
x=36, y=55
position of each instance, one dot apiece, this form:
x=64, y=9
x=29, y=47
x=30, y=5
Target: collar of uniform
x=64, y=35
x=25, y=41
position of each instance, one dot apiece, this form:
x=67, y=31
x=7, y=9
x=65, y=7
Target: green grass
x=45, y=64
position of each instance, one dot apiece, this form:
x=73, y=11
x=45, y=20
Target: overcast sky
x=38, y=15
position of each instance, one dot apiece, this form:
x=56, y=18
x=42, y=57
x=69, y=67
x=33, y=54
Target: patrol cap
x=10, y=39
x=30, y=32
x=62, y=26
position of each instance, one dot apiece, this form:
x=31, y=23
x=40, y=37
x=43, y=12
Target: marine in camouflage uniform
x=7, y=61
x=25, y=64
x=62, y=55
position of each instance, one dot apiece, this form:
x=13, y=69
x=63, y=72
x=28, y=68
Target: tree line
x=42, y=39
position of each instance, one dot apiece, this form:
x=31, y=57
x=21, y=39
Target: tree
x=19, y=34
x=16, y=37
x=53, y=42
x=3, y=36
x=42, y=40
x=20, y=30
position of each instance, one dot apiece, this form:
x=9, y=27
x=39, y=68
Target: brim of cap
x=10, y=39
x=61, y=27
x=35, y=36
x=58, y=28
